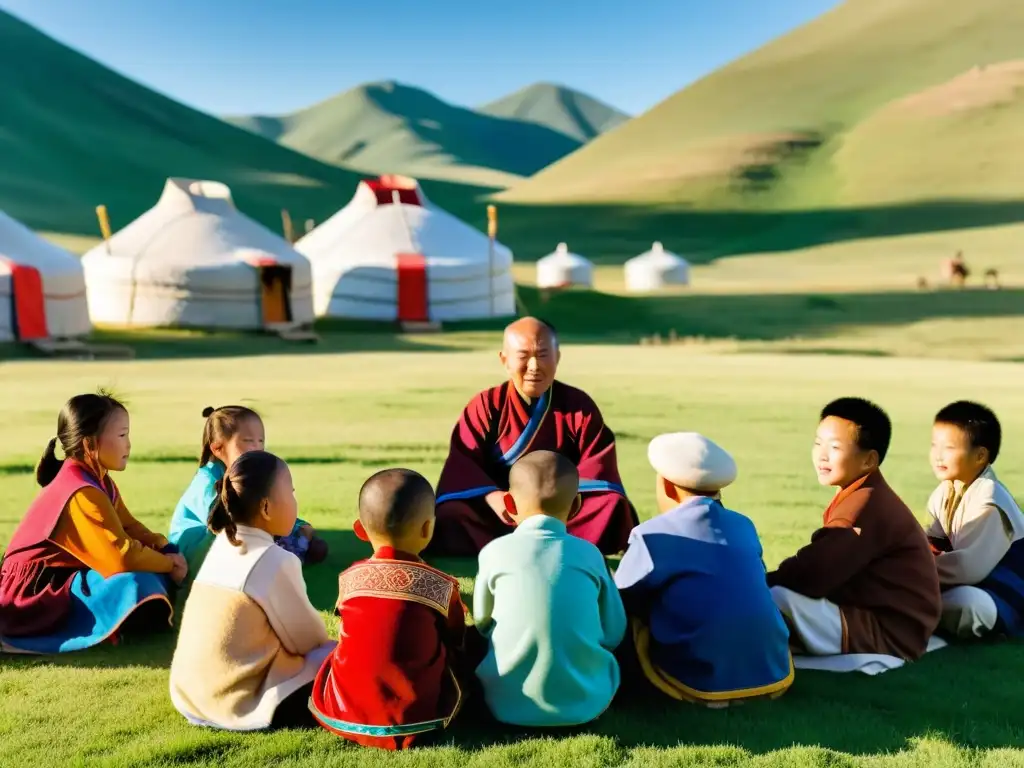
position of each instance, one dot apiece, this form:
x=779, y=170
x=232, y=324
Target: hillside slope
x=563, y=109
x=74, y=134
x=390, y=127
x=813, y=119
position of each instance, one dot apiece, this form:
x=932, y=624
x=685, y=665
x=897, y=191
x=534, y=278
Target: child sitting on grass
x=977, y=527
x=230, y=431
x=80, y=569
x=705, y=629
x=547, y=605
x=866, y=583
x=391, y=682
x=250, y=643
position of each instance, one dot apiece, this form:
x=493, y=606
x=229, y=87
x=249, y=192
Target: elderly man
x=532, y=411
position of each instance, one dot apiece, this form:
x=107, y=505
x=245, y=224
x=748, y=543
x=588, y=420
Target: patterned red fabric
x=401, y=625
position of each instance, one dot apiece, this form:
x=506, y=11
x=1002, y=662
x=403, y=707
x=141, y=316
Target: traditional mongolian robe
x=551, y=614
x=78, y=566
x=249, y=636
x=499, y=426
x=866, y=583
x=977, y=532
x=392, y=678
x=705, y=628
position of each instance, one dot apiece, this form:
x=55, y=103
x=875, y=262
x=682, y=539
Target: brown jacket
x=872, y=559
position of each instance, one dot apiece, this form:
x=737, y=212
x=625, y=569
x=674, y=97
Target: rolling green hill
x=74, y=134
x=390, y=127
x=875, y=102
x=562, y=109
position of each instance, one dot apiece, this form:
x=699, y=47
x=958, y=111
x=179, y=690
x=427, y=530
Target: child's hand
x=180, y=569
x=306, y=531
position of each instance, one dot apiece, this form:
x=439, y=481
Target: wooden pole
x=286, y=225
x=492, y=232
x=101, y=214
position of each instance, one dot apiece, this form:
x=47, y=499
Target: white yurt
x=42, y=287
x=656, y=269
x=193, y=260
x=391, y=254
x=564, y=269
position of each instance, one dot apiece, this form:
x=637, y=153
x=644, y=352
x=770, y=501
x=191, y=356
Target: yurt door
x=276, y=283
x=28, y=303
x=412, y=288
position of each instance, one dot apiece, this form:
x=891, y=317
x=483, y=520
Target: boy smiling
x=977, y=527
x=866, y=583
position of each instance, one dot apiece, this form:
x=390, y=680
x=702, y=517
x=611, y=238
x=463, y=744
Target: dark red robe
x=392, y=677
x=36, y=574
x=496, y=428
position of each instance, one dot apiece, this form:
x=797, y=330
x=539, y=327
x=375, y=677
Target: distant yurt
x=42, y=288
x=193, y=260
x=392, y=255
x=564, y=269
x=656, y=269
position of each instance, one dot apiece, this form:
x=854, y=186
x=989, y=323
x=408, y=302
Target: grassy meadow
x=363, y=410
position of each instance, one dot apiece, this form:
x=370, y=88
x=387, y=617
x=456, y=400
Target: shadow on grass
x=590, y=317
x=609, y=234
x=850, y=713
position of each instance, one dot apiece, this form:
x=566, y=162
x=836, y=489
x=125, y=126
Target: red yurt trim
x=386, y=186
x=412, y=288
x=28, y=301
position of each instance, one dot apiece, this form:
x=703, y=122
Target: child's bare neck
x=396, y=545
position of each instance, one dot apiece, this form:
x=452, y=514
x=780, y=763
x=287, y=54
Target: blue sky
x=272, y=56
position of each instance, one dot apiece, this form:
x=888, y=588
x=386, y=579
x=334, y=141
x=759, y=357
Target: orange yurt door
x=275, y=283
x=28, y=303
x=412, y=288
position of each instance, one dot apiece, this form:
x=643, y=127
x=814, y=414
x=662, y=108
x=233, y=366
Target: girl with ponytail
x=228, y=432
x=79, y=564
x=249, y=602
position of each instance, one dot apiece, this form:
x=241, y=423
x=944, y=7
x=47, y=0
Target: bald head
x=392, y=501
x=544, y=481
x=530, y=354
x=527, y=330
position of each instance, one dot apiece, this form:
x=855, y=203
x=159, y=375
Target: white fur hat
x=691, y=461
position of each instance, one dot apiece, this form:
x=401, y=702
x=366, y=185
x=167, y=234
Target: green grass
x=365, y=410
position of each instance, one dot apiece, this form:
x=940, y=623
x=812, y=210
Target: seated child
x=230, y=431
x=547, y=604
x=705, y=629
x=977, y=528
x=866, y=583
x=79, y=569
x=250, y=642
x=391, y=682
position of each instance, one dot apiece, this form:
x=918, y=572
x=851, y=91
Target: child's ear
x=670, y=489
x=577, y=505
x=427, y=531
x=871, y=460
x=265, y=510
x=510, y=509
x=361, y=533
x=982, y=455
